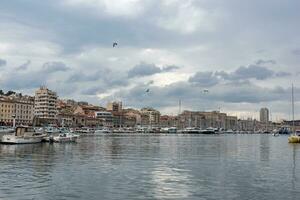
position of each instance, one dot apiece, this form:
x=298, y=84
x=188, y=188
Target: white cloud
x=185, y=17
x=128, y=8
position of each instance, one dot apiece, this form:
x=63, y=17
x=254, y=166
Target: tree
x=1, y=92
x=8, y=93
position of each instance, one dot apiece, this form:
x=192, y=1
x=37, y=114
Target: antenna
x=179, y=105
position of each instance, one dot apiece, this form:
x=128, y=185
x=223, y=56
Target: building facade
x=19, y=108
x=264, y=115
x=106, y=117
x=152, y=115
x=45, y=106
x=115, y=106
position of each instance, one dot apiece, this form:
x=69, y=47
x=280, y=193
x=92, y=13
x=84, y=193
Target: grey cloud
x=98, y=81
x=205, y=79
x=28, y=79
x=89, y=77
x=2, y=63
x=191, y=94
x=169, y=68
x=252, y=71
x=144, y=69
x=92, y=90
x=263, y=62
x=51, y=67
x=283, y=74
x=24, y=66
x=80, y=77
x=296, y=52
x=24, y=80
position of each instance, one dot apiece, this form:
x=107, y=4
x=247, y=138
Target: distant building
x=205, y=120
x=132, y=113
x=168, y=121
x=150, y=114
x=264, y=115
x=45, y=105
x=19, y=107
x=106, y=117
x=115, y=106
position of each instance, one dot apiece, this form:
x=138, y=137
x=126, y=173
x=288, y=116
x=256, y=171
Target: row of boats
x=24, y=134
x=29, y=135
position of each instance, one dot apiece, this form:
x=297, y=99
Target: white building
x=107, y=118
x=45, y=104
x=264, y=115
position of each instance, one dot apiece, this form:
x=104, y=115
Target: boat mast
x=293, y=109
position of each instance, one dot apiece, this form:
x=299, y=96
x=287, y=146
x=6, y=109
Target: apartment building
x=19, y=107
x=45, y=106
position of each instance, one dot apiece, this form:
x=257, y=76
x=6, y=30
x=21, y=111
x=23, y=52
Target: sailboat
x=293, y=138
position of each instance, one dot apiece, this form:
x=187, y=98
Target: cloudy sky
x=245, y=53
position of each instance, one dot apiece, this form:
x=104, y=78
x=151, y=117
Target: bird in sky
x=148, y=90
x=205, y=91
x=115, y=44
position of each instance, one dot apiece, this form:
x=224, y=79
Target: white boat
x=65, y=137
x=190, y=130
x=229, y=131
x=85, y=131
x=4, y=130
x=102, y=131
x=275, y=133
x=23, y=135
x=169, y=130
x=209, y=130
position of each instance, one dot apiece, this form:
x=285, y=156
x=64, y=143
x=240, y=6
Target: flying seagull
x=148, y=90
x=115, y=44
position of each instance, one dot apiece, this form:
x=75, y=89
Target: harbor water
x=153, y=167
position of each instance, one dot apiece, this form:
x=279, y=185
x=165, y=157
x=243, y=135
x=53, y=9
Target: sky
x=234, y=56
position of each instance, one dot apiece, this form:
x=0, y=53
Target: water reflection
x=170, y=183
x=156, y=167
x=264, y=147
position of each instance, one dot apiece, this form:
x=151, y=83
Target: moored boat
x=209, y=130
x=102, y=131
x=23, y=135
x=294, y=138
x=171, y=130
x=64, y=137
x=190, y=130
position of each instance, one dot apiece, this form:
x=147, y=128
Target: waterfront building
x=132, y=113
x=45, y=106
x=168, y=121
x=106, y=117
x=247, y=125
x=205, y=120
x=231, y=123
x=118, y=118
x=129, y=121
x=145, y=120
x=153, y=116
x=88, y=110
x=264, y=115
x=115, y=106
x=16, y=106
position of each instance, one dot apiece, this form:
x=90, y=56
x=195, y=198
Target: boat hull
x=11, y=139
x=294, y=139
x=59, y=139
